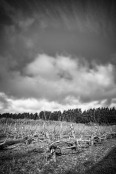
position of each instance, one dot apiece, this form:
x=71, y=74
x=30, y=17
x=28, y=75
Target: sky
x=57, y=55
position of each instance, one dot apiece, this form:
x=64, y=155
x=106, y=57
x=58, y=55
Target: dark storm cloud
x=85, y=28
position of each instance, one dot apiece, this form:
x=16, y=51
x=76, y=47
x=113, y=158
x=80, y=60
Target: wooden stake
x=72, y=131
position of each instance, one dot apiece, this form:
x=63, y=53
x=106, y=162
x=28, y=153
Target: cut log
x=8, y=143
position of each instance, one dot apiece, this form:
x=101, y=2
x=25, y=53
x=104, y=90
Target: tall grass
x=19, y=128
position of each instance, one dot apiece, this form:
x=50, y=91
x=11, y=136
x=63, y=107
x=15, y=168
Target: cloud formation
x=57, y=82
x=80, y=28
x=57, y=53
x=32, y=105
x=64, y=75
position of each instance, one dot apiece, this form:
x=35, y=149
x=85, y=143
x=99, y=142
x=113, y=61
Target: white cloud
x=33, y=105
x=113, y=102
x=42, y=66
x=68, y=76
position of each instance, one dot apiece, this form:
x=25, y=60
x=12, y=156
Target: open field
x=30, y=157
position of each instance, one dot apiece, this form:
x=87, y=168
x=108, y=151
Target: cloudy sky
x=57, y=54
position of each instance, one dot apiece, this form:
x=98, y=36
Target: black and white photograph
x=57, y=87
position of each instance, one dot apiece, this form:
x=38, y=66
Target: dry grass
x=23, y=127
x=26, y=158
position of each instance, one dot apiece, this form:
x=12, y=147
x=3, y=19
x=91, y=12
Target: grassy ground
x=28, y=158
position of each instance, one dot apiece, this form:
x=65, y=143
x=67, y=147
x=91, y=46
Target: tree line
x=98, y=115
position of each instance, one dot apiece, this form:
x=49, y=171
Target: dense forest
x=98, y=115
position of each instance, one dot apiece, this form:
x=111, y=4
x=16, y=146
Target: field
x=30, y=156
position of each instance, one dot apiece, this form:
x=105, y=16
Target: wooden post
x=45, y=131
x=44, y=128
x=61, y=130
x=54, y=157
x=72, y=131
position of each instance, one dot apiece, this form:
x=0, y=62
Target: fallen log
x=8, y=143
